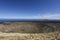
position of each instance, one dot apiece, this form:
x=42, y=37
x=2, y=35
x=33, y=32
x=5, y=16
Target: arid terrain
x=29, y=27
x=29, y=36
x=29, y=31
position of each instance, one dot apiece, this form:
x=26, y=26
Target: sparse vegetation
x=28, y=36
x=29, y=27
x=29, y=31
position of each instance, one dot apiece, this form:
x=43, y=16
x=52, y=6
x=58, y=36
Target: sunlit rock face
x=29, y=27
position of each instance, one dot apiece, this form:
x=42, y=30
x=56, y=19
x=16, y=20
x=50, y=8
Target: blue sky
x=30, y=9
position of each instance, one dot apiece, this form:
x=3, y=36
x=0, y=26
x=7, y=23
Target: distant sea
x=18, y=20
x=28, y=20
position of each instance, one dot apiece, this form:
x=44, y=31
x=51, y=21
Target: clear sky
x=30, y=9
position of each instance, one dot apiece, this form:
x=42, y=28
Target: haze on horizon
x=30, y=9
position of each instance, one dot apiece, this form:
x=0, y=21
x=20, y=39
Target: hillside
x=30, y=30
x=29, y=27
